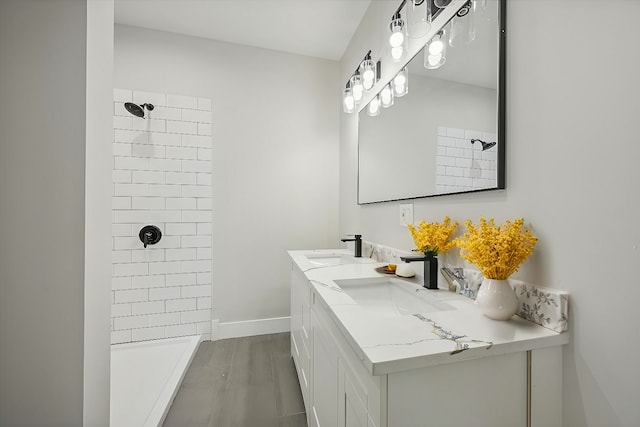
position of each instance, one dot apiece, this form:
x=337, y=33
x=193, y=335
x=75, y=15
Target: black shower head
x=485, y=145
x=137, y=110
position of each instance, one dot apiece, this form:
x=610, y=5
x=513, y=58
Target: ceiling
x=318, y=28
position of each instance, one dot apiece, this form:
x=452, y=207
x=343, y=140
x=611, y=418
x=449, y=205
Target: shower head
x=485, y=145
x=137, y=110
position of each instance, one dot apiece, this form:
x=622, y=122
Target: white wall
x=275, y=155
x=572, y=153
x=48, y=86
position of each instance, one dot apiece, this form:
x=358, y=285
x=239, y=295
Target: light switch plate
x=406, y=214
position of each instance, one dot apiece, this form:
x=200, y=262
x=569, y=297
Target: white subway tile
x=196, y=291
x=184, y=128
x=180, y=330
x=182, y=101
x=448, y=161
x=150, y=254
x=204, y=228
x=169, y=242
x=180, y=229
x=204, y=204
x=204, y=278
x=119, y=337
x=130, y=216
x=196, y=216
x=164, y=293
x=196, y=166
x=196, y=116
x=122, y=95
x=133, y=295
x=163, y=190
x=146, y=334
x=181, y=178
x=147, y=177
x=157, y=99
x=164, y=319
x=195, y=316
x=196, y=191
x=196, y=266
x=120, y=283
x=204, y=253
x=455, y=132
x=139, y=282
x=130, y=190
x=182, y=202
x=174, y=305
x=204, y=129
x=120, y=256
x=196, y=241
x=204, y=154
x=181, y=279
x=196, y=141
x=204, y=328
x=167, y=165
x=118, y=230
x=147, y=202
x=120, y=310
x=164, y=216
x=120, y=149
x=204, y=104
x=126, y=242
x=121, y=176
x=204, y=303
x=181, y=254
x=187, y=153
x=164, y=139
x=129, y=322
x=132, y=269
x=130, y=136
x=150, y=307
x=150, y=124
x=165, y=267
x=454, y=171
x=121, y=203
x=463, y=163
x=132, y=163
x=148, y=150
x=167, y=113
x=204, y=178
x=119, y=110
x=442, y=131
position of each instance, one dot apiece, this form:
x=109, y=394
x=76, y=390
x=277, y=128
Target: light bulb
x=373, y=109
x=368, y=73
x=396, y=53
x=400, y=83
x=356, y=87
x=386, y=96
x=399, y=80
x=348, y=103
x=436, y=47
x=396, y=39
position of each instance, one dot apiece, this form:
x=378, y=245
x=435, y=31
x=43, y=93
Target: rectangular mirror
x=447, y=134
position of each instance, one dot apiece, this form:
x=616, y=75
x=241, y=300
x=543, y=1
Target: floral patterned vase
x=496, y=299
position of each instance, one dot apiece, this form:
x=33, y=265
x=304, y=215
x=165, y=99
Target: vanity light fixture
x=348, y=101
x=401, y=83
x=386, y=96
x=397, y=39
x=373, y=109
x=365, y=76
x=435, y=52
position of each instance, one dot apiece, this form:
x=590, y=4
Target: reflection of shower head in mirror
x=485, y=145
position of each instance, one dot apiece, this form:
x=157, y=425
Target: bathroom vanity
x=380, y=351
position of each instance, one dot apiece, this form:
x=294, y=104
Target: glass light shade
x=418, y=18
x=401, y=83
x=386, y=96
x=441, y=3
x=396, y=38
x=463, y=29
x=356, y=88
x=373, y=109
x=435, y=53
x=397, y=53
x=348, y=103
x=368, y=71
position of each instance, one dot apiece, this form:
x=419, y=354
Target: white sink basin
x=335, y=259
x=389, y=297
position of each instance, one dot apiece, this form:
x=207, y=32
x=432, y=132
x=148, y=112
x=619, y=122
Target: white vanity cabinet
x=516, y=382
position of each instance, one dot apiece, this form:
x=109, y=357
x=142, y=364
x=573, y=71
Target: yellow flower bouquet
x=497, y=251
x=432, y=238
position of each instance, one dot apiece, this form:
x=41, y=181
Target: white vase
x=496, y=299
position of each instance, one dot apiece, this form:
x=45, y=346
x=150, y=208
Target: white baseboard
x=249, y=328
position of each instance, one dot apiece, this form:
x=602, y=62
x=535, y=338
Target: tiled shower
x=162, y=177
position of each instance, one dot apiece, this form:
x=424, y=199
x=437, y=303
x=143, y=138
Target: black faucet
x=430, y=269
x=358, y=239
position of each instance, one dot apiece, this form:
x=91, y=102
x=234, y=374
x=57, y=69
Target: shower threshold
x=145, y=377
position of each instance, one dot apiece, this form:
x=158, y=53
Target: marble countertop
x=391, y=344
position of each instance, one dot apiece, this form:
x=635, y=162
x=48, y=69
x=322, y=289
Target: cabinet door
x=355, y=411
x=325, y=377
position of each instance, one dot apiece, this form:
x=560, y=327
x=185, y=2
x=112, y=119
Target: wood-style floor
x=240, y=382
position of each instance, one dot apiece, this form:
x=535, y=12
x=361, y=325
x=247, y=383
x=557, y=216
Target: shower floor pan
x=145, y=377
